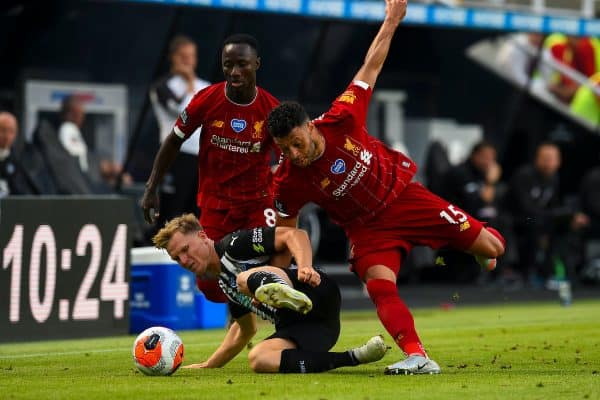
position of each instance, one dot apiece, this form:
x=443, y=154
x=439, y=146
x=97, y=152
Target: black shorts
x=320, y=328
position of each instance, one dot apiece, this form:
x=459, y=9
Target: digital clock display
x=65, y=267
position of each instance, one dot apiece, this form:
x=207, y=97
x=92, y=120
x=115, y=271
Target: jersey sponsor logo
x=325, y=182
x=258, y=127
x=238, y=125
x=347, y=97
x=351, y=180
x=366, y=156
x=232, y=144
x=338, y=167
x=183, y=117
x=352, y=146
x=217, y=124
x=257, y=235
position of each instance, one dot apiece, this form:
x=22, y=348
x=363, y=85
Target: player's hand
x=197, y=366
x=395, y=10
x=150, y=205
x=309, y=275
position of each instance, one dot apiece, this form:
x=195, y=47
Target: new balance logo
x=366, y=156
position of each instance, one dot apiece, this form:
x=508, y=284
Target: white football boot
x=373, y=350
x=413, y=365
x=280, y=295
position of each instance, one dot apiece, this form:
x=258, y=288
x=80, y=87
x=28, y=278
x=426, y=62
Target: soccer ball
x=157, y=351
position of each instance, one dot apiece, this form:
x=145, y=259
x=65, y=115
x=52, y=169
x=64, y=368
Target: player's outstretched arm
x=238, y=336
x=297, y=242
x=164, y=159
x=395, y=10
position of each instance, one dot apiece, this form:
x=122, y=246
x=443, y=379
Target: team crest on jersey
x=347, y=97
x=183, y=117
x=258, y=126
x=338, y=167
x=352, y=146
x=238, y=125
x=217, y=124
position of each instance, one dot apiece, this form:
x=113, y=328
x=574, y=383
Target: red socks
x=395, y=316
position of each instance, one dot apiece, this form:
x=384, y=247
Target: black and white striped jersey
x=239, y=252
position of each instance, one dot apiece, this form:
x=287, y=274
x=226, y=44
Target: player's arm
x=395, y=10
x=296, y=243
x=237, y=338
x=164, y=159
x=282, y=259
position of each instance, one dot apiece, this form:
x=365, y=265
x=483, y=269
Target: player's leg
x=271, y=285
x=282, y=355
x=487, y=247
x=395, y=315
x=315, y=333
x=266, y=355
x=434, y=222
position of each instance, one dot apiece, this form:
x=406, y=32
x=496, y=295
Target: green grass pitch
x=526, y=351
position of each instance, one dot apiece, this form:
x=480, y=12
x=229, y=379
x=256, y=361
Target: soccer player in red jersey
x=366, y=188
x=235, y=149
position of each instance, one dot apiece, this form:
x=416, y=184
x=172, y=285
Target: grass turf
x=527, y=351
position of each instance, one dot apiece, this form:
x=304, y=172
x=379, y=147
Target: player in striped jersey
x=303, y=303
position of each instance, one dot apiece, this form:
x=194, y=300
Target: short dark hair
x=177, y=42
x=285, y=117
x=242, y=38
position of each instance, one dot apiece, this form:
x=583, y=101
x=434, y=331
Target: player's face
x=191, y=251
x=239, y=62
x=300, y=145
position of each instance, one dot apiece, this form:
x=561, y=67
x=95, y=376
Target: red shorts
x=416, y=218
x=218, y=223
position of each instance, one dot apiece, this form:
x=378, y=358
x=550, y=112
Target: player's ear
x=202, y=235
x=257, y=63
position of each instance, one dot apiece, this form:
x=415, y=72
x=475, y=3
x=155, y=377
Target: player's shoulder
x=267, y=96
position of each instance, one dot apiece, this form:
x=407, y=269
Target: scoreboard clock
x=64, y=267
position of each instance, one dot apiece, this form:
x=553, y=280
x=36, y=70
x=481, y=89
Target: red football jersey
x=357, y=175
x=235, y=148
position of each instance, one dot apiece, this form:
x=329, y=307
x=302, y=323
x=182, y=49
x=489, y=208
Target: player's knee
x=258, y=360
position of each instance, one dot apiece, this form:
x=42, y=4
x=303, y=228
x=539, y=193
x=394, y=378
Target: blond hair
x=185, y=224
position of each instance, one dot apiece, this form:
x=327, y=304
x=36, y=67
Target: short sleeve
x=191, y=118
x=351, y=106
